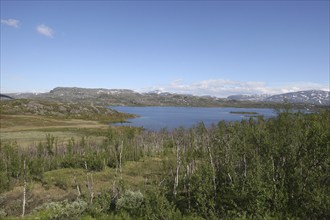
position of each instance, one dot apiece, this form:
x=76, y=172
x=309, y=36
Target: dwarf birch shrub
x=61, y=210
x=131, y=202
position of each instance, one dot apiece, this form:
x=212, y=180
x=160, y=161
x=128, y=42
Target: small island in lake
x=245, y=113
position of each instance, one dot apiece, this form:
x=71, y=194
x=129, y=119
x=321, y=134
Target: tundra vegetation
x=253, y=169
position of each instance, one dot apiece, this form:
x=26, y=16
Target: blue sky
x=216, y=48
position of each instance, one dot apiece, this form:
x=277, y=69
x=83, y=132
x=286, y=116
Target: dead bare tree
x=24, y=190
x=178, y=164
x=120, y=155
x=213, y=169
x=89, y=183
x=78, y=187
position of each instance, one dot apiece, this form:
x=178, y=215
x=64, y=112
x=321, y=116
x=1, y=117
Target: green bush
x=100, y=206
x=131, y=202
x=94, y=162
x=156, y=206
x=60, y=210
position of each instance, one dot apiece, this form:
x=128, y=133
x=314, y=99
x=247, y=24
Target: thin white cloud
x=225, y=88
x=11, y=22
x=45, y=30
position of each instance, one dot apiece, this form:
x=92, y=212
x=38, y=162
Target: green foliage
x=101, y=204
x=130, y=202
x=36, y=168
x=50, y=144
x=94, y=162
x=10, y=165
x=60, y=210
x=157, y=206
x=262, y=168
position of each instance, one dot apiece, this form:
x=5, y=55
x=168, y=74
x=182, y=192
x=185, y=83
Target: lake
x=155, y=118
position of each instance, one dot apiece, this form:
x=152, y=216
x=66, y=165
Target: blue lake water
x=155, y=118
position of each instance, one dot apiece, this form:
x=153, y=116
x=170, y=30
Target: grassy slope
x=28, y=130
x=27, y=122
x=58, y=110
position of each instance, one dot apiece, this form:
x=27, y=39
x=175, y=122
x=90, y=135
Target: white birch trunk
x=178, y=163
x=24, y=190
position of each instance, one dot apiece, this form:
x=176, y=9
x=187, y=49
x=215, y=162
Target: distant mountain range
x=314, y=97
x=132, y=98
